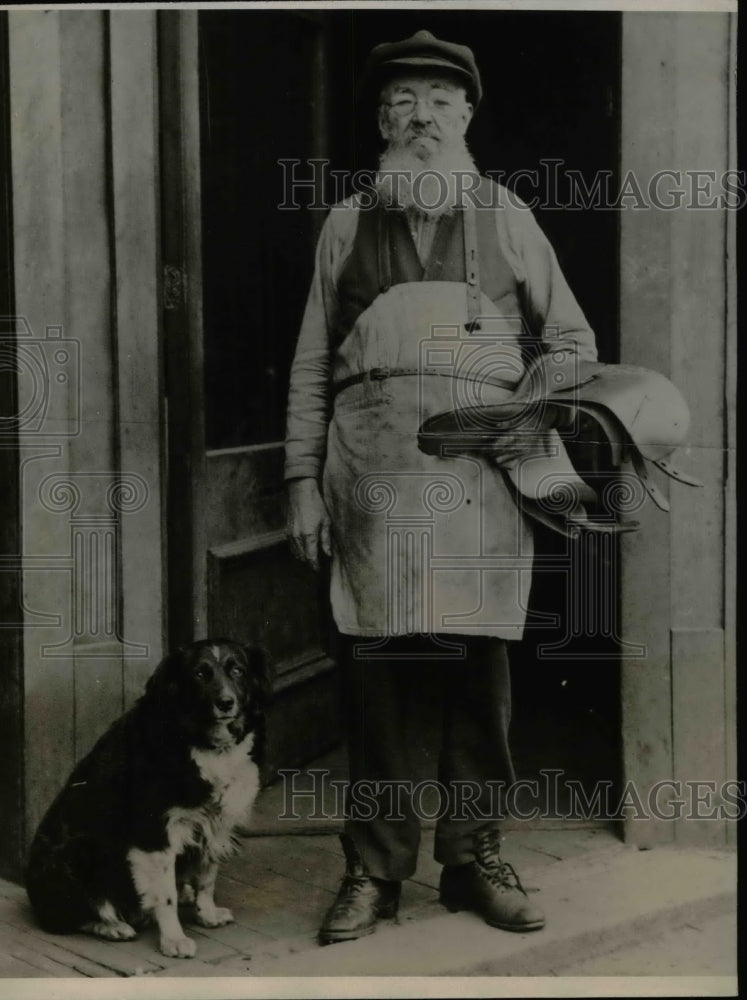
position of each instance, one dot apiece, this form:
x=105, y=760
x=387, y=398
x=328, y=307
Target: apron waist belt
x=379, y=374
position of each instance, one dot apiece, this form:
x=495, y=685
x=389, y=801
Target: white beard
x=434, y=186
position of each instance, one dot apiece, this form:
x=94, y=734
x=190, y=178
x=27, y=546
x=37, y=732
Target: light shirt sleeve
x=309, y=401
x=551, y=307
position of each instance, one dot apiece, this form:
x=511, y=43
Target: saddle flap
x=650, y=408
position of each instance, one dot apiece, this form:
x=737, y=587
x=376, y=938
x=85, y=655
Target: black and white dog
x=145, y=819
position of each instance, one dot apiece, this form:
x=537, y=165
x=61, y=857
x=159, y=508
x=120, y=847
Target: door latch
x=174, y=287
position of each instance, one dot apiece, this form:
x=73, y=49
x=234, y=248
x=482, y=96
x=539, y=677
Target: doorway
x=280, y=86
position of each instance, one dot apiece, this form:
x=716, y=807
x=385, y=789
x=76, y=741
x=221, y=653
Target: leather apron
x=423, y=543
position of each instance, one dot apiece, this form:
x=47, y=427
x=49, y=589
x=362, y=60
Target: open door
x=243, y=91
x=236, y=272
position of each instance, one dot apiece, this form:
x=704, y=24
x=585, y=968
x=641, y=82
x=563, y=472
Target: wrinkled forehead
x=418, y=83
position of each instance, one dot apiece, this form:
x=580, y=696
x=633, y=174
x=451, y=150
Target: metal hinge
x=174, y=287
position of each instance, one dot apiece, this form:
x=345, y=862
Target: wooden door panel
x=244, y=492
x=258, y=593
x=237, y=277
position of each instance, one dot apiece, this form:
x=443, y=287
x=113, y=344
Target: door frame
x=181, y=248
x=12, y=785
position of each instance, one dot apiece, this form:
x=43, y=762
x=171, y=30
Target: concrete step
x=708, y=947
x=593, y=906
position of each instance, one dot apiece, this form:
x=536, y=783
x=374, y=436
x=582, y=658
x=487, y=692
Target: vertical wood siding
x=135, y=169
x=39, y=244
x=678, y=722
x=83, y=87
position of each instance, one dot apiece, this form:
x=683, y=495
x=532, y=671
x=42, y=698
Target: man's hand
x=531, y=439
x=511, y=446
x=308, y=522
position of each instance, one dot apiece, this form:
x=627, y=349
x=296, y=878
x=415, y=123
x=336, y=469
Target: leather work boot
x=491, y=887
x=361, y=900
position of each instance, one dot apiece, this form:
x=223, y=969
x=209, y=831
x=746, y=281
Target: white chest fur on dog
x=234, y=778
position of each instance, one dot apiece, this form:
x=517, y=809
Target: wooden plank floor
x=278, y=888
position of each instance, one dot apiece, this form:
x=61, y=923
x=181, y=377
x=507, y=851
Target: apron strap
x=383, y=250
x=471, y=266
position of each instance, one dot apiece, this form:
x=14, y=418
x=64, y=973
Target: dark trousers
x=474, y=755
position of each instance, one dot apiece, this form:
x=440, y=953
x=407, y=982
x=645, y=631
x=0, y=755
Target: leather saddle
x=636, y=415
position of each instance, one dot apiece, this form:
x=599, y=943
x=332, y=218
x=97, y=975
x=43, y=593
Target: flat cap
x=421, y=51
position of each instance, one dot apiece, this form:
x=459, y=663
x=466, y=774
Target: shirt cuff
x=302, y=470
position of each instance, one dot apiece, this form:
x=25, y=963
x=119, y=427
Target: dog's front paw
x=179, y=947
x=216, y=916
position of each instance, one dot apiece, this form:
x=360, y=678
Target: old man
x=439, y=292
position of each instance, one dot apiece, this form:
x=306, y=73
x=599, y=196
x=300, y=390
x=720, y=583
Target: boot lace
x=352, y=887
x=499, y=873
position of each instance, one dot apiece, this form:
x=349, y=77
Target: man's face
x=424, y=113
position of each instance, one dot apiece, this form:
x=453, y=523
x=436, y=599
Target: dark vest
x=382, y=229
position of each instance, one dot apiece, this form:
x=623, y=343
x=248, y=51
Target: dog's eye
x=203, y=674
x=236, y=671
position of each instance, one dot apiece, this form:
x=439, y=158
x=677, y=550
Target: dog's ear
x=162, y=686
x=260, y=673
